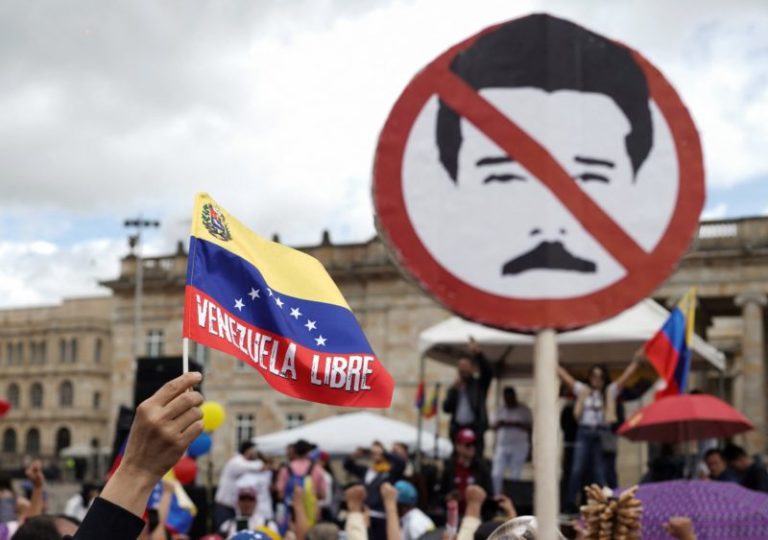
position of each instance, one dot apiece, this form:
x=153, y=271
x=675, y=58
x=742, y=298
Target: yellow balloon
x=213, y=415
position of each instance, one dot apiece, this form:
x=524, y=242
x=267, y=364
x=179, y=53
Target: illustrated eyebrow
x=594, y=161
x=493, y=160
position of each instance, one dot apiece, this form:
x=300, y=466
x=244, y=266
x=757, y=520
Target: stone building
x=90, y=344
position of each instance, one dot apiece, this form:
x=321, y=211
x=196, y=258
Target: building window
x=19, y=354
x=36, y=396
x=97, y=400
x=33, y=441
x=202, y=356
x=245, y=428
x=66, y=394
x=14, y=395
x=293, y=420
x=63, y=439
x=73, y=351
x=155, y=343
x=97, y=351
x=38, y=353
x=9, y=441
x=62, y=351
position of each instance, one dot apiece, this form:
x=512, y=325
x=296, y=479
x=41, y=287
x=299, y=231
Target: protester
x=78, y=504
x=246, y=516
x=595, y=411
x=329, y=504
x=401, y=449
x=513, y=424
x=301, y=471
x=225, y=500
x=164, y=426
x=466, y=398
x=465, y=468
x=261, y=482
x=382, y=467
x=750, y=471
x=413, y=522
x=718, y=469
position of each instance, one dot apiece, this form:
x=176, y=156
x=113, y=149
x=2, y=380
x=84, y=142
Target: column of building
x=753, y=372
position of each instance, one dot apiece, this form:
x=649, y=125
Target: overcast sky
x=114, y=109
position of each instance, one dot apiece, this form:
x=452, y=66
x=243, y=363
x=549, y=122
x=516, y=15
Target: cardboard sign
x=538, y=175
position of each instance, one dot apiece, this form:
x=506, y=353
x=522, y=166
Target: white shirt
x=464, y=414
x=260, y=481
x=593, y=414
x=238, y=465
x=513, y=436
x=414, y=523
x=75, y=507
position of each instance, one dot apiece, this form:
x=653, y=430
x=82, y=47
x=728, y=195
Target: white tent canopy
x=343, y=434
x=612, y=341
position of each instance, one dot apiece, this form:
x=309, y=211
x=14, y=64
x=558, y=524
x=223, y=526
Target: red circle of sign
x=397, y=231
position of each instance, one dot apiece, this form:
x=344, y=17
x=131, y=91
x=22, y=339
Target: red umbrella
x=685, y=417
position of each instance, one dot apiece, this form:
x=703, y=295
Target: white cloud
x=718, y=211
x=111, y=109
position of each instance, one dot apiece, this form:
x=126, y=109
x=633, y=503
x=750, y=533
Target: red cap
x=466, y=436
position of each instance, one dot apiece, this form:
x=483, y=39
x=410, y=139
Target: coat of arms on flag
x=278, y=310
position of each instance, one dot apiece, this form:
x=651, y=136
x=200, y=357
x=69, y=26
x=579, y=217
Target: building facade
x=67, y=368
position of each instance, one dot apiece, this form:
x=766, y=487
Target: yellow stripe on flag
x=285, y=269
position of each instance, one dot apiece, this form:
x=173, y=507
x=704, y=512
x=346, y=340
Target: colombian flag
x=419, y=401
x=278, y=310
x=430, y=407
x=669, y=351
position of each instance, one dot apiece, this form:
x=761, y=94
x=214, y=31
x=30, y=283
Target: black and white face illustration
x=491, y=223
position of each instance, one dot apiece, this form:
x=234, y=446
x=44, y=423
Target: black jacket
x=477, y=391
x=373, y=498
x=107, y=520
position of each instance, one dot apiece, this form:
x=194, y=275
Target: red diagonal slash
x=465, y=100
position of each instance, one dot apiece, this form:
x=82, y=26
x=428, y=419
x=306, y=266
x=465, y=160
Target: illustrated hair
x=541, y=51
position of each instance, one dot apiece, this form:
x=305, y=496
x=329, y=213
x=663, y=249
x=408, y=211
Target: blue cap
x=251, y=535
x=406, y=493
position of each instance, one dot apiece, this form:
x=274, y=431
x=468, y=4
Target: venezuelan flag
x=181, y=511
x=669, y=351
x=278, y=310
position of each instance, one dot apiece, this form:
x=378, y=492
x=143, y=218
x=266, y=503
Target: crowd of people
x=374, y=493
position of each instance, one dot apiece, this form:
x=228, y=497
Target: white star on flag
x=279, y=302
x=269, y=291
x=310, y=325
x=320, y=341
x=254, y=294
x=295, y=313
x=239, y=304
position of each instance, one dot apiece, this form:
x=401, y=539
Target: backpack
x=310, y=497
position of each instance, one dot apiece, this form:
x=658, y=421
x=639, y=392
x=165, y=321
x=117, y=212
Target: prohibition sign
x=644, y=269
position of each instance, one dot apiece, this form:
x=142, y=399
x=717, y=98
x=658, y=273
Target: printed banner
x=278, y=310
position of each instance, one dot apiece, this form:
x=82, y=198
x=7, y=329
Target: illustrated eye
x=502, y=178
x=591, y=177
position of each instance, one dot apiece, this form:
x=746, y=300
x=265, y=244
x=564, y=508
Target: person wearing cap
x=246, y=517
x=246, y=460
x=464, y=468
x=413, y=522
x=466, y=399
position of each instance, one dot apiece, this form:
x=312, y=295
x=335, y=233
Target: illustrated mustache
x=548, y=255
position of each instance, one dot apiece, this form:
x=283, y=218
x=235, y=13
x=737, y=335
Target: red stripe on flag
x=661, y=353
x=349, y=380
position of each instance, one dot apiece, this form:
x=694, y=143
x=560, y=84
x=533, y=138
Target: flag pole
x=185, y=355
x=420, y=424
x=437, y=421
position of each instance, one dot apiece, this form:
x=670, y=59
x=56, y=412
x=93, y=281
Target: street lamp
x=134, y=241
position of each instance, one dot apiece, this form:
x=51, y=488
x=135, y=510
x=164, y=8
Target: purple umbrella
x=719, y=510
